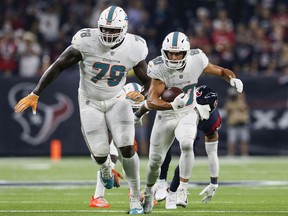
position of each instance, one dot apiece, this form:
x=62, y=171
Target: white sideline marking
x=162, y=211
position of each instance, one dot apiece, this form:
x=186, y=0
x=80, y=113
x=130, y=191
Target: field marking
x=155, y=211
x=63, y=184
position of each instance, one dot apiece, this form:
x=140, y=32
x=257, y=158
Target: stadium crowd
x=249, y=36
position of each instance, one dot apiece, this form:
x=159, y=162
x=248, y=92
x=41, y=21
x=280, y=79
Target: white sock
x=211, y=150
x=100, y=189
x=131, y=167
x=183, y=185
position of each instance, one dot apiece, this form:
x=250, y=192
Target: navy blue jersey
x=210, y=125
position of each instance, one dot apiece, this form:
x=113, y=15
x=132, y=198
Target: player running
x=131, y=92
x=105, y=55
x=180, y=67
x=210, y=127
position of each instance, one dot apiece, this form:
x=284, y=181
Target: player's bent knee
x=127, y=151
x=98, y=160
x=155, y=161
x=126, y=139
x=186, y=143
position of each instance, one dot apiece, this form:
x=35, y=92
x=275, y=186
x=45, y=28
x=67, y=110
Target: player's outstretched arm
x=68, y=58
x=226, y=74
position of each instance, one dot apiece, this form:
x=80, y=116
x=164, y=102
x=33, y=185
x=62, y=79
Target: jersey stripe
x=175, y=39
x=110, y=14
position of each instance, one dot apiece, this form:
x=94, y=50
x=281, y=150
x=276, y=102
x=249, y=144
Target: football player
x=210, y=127
x=180, y=67
x=105, y=55
x=131, y=92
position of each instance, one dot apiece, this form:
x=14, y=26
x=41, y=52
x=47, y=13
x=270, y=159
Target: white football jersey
x=103, y=70
x=184, y=79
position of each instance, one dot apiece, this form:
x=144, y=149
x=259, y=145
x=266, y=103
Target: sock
x=183, y=185
x=211, y=150
x=131, y=167
x=100, y=189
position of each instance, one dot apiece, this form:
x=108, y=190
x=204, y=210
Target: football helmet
x=132, y=87
x=112, y=19
x=205, y=95
x=175, y=42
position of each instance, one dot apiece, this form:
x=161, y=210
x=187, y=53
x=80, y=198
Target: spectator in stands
x=29, y=53
x=237, y=116
x=8, y=49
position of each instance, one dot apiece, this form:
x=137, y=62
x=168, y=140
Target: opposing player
x=105, y=55
x=129, y=92
x=181, y=67
x=204, y=95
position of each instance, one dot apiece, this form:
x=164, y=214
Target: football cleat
x=182, y=197
x=99, y=202
x=107, y=177
x=135, y=206
x=171, y=200
x=161, y=190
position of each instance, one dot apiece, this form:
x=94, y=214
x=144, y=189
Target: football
x=170, y=94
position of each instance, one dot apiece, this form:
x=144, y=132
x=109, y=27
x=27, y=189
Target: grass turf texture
x=39, y=186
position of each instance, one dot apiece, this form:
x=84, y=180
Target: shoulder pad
x=81, y=38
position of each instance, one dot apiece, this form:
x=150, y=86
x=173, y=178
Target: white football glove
x=237, y=83
x=204, y=111
x=180, y=101
x=137, y=120
x=208, y=192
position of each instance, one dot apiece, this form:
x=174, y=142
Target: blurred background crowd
x=248, y=36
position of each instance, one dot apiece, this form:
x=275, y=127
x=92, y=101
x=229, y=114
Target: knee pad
x=186, y=143
x=155, y=161
x=126, y=139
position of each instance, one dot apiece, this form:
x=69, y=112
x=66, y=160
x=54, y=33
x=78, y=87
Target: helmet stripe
x=175, y=39
x=110, y=14
x=136, y=87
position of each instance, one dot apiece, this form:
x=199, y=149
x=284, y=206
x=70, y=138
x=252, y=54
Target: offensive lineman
x=105, y=55
x=181, y=67
x=131, y=92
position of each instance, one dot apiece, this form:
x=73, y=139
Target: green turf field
x=38, y=186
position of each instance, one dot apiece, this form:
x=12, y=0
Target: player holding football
x=180, y=67
x=204, y=95
x=105, y=55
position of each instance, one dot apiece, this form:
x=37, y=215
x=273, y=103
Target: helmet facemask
x=111, y=39
x=174, y=64
x=112, y=25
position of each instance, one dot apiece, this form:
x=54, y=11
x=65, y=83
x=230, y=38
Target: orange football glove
x=24, y=103
x=117, y=177
x=135, y=96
